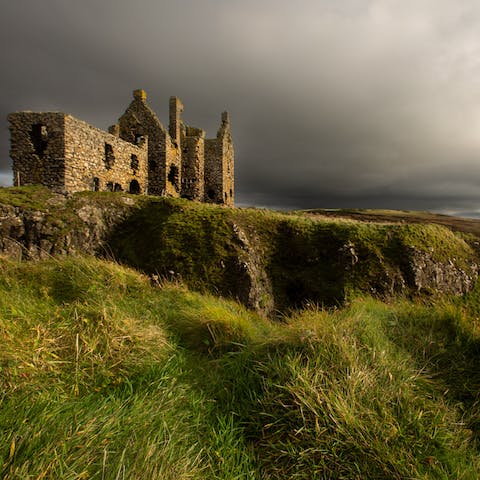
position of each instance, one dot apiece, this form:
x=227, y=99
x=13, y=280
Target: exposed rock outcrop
x=255, y=288
x=429, y=276
x=59, y=228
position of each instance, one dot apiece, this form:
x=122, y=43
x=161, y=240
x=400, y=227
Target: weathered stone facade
x=137, y=155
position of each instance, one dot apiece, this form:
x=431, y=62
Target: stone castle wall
x=164, y=156
x=193, y=164
x=213, y=172
x=96, y=160
x=37, y=149
x=137, y=154
x=227, y=158
x=219, y=166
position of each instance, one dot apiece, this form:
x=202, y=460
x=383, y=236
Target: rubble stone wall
x=227, y=160
x=140, y=120
x=193, y=166
x=37, y=149
x=213, y=172
x=96, y=160
x=219, y=166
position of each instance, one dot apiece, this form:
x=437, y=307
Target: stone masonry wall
x=173, y=159
x=173, y=170
x=213, y=172
x=227, y=157
x=37, y=149
x=140, y=120
x=219, y=166
x=193, y=165
x=175, y=119
x=96, y=160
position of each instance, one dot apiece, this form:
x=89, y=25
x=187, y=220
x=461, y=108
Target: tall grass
x=106, y=376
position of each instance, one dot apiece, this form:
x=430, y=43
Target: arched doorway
x=134, y=187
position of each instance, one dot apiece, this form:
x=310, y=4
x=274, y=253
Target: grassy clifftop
x=104, y=375
x=292, y=258
x=270, y=261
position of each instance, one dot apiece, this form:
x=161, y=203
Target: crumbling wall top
x=194, y=132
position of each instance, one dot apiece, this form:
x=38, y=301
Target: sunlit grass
x=105, y=375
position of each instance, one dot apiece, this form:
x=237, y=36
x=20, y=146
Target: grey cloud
x=346, y=102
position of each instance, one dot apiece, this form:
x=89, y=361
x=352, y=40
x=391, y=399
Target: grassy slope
x=105, y=376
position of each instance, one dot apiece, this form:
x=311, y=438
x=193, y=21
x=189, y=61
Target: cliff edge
x=270, y=261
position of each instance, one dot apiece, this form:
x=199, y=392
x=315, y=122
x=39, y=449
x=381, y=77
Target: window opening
x=134, y=187
x=109, y=156
x=139, y=139
x=134, y=163
x=173, y=175
x=39, y=138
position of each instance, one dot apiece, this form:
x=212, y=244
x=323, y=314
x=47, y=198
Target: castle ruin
x=137, y=154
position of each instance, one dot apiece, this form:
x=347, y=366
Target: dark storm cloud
x=333, y=103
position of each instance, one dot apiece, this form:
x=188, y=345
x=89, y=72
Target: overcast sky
x=333, y=103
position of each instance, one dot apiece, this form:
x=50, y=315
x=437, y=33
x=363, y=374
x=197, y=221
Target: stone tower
x=219, y=165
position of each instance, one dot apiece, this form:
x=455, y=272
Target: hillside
x=109, y=373
x=106, y=376
x=270, y=261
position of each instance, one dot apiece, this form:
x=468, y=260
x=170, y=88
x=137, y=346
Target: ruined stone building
x=137, y=155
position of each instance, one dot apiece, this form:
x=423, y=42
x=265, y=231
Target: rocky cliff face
x=268, y=260
x=58, y=227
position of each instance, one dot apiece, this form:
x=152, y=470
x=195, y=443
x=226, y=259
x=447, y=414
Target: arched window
x=211, y=194
x=134, y=187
